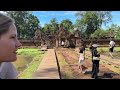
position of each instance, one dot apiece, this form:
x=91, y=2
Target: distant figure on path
x=90, y=47
x=62, y=43
x=111, y=47
x=81, y=58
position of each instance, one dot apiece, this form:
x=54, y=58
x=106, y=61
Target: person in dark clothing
x=90, y=47
x=95, y=61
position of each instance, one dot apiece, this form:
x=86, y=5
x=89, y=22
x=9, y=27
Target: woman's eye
x=12, y=37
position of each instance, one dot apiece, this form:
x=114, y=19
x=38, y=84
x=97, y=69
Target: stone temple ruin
x=50, y=39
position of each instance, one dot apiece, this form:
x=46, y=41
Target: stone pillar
x=67, y=43
x=57, y=42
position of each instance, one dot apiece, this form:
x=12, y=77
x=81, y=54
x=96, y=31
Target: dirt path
x=71, y=58
x=48, y=68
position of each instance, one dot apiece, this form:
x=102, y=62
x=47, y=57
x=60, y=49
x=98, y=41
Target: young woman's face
x=8, y=45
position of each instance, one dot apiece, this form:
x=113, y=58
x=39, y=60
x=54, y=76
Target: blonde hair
x=5, y=22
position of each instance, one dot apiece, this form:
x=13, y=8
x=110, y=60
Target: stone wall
x=101, y=42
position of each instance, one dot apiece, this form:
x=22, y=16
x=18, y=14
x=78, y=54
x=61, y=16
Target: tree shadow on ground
x=88, y=72
x=103, y=76
x=107, y=75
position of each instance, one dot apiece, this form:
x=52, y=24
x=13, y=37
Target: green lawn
x=28, y=61
x=65, y=69
x=105, y=49
x=28, y=52
x=27, y=73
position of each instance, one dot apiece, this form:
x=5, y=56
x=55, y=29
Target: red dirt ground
x=71, y=58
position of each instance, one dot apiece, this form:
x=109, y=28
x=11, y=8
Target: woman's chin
x=12, y=59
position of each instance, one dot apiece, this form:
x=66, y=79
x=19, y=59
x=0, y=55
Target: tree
x=31, y=26
x=90, y=21
x=67, y=25
x=99, y=34
x=25, y=22
x=54, y=26
x=51, y=28
x=117, y=33
x=20, y=19
x=47, y=28
x=115, y=30
x=54, y=23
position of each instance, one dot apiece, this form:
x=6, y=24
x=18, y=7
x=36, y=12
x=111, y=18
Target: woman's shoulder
x=4, y=68
x=6, y=64
x=8, y=71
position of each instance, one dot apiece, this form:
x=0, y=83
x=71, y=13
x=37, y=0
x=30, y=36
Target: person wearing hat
x=95, y=61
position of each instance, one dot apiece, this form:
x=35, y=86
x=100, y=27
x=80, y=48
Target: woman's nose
x=18, y=44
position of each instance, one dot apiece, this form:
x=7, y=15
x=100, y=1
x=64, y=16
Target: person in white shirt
x=81, y=61
x=9, y=44
x=111, y=47
x=62, y=43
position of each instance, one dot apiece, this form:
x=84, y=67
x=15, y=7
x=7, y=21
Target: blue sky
x=46, y=16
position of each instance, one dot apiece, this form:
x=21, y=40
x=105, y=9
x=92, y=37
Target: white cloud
x=2, y=12
x=40, y=11
x=70, y=12
x=55, y=13
x=42, y=24
x=51, y=13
